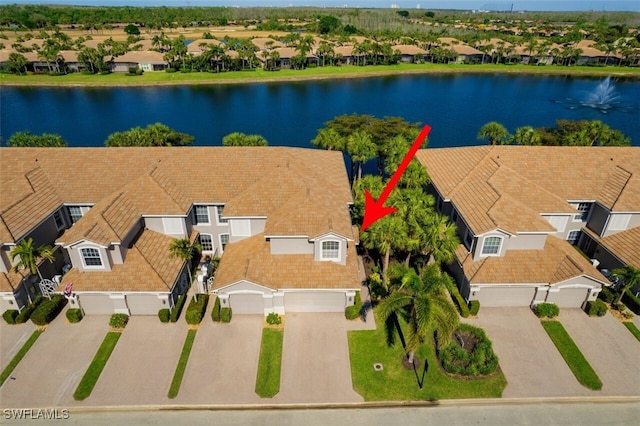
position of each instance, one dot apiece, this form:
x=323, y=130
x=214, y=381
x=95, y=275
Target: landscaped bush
x=164, y=315
x=475, y=359
x=632, y=302
x=74, y=315
x=607, y=294
x=48, y=309
x=274, y=319
x=354, y=311
x=457, y=298
x=177, y=309
x=196, y=308
x=474, y=307
x=119, y=320
x=215, y=312
x=225, y=314
x=596, y=308
x=10, y=316
x=25, y=314
x=546, y=310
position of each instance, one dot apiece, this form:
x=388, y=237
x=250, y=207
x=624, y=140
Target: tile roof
x=409, y=49
x=250, y=259
x=9, y=281
x=624, y=245
x=141, y=56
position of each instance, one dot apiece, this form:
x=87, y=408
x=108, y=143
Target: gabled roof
x=141, y=57
x=625, y=245
x=9, y=281
x=409, y=49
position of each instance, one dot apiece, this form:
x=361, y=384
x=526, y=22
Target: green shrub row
x=164, y=315
x=546, y=310
x=119, y=320
x=10, y=316
x=177, y=309
x=215, y=312
x=457, y=298
x=26, y=313
x=74, y=315
x=481, y=361
x=632, y=302
x=196, y=308
x=225, y=314
x=48, y=309
x=595, y=308
x=354, y=311
x=607, y=294
x=474, y=307
x=274, y=319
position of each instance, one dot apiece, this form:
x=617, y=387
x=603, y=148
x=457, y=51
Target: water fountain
x=603, y=98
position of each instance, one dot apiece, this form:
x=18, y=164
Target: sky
x=537, y=5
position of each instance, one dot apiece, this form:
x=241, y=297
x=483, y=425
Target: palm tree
x=385, y=236
x=526, y=135
x=423, y=302
x=495, y=131
x=182, y=248
x=28, y=256
x=329, y=139
x=361, y=148
x=439, y=239
x=630, y=277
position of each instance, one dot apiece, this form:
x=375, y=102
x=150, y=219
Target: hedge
x=26, y=313
x=196, y=308
x=74, y=315
x=10, y=316
x=595, y=308
x=225, y=314
x=164, y=315
x=474, y=307
x=632, y=302
x=215, y=312
x=481, y=361
x=177, y=309
x=354, y=311
x=548, y=310
x=607, y=294
x=119, y=320
x=48, y=309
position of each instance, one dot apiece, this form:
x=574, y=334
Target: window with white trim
x=224, y=239
x=583, y=209
x=574, y=236
x=201, y=214
x=220, y=210
x=330, y=250
x=91, y=257
x=75, y=213
x=491, y=245
x=57, y=217
x=206, y=242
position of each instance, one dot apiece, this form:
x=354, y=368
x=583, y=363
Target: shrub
x=354, y=311
x=74, y=315
x=139, y=71
x=607, y=294
x=132, y=70
x=196, y=308
x=170, y=70
x=177, y=309
x=474, y=307
x=48, y=309
x=596, y=308
x=274, y=319
x=118, y=320
x=164, y=315
x=546, y=310
x=480, y=361
x=26, y=313
x=461, y=305
x=225, y=314
x=632, y=302
x=215, y=312
x=10, y=316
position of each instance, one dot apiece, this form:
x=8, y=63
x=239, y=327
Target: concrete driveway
x=50, y=372
x=142, y=364
x=12, y=338
x=610, y=348
x=530, y=361
x=315, y=360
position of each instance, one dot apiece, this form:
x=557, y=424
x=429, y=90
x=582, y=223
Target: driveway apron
x=12, y=338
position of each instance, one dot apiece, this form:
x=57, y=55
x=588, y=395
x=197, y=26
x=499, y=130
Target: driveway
x=610, y=348
x=12, y=337
x=530, y=361
x=142, y=364
x=50, y=372
x=315, y=360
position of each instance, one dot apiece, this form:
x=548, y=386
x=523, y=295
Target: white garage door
x=144, y=304
x=314, y=302
x=568, y=297
x=247, y=304
x=99, y=304
x=505, y=296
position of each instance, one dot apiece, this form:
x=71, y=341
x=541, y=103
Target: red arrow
x=374, y=210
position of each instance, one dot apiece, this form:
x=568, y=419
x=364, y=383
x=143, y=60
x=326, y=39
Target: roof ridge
x=121, y=194
x=626, y=182
x=155, y=173
x=20, y=200
x=136, y=247
x=482, y=161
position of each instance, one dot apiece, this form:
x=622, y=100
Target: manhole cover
x=378, y=367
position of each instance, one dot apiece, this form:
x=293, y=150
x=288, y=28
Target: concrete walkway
x=12, y=338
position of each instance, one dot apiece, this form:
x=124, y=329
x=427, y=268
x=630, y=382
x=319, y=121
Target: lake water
x=287, y=113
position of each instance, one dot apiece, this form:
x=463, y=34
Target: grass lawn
x=91, y=376
x=182, y=364
x=394, y=382
x=572, y=355
x=18, y=357
x=631, y=326
x=268, y=378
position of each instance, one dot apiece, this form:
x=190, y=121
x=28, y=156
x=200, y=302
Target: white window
x=618, y=222
x=241, y=227
x=583, y=209
x=57, y=217
x=91, y=257
x=491, y=245
x=206, y=242
x=220, y=210
x=75, y=213
x=330, y=250
x=202, y=214
x=224, y=239
x=574, y=236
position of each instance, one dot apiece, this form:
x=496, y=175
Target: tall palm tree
x=329, y=139
x=526, y=135
x=422, y=301
x=361, y=148
x=28, y=256
x=439, y=239
x=630, y=277
x=494, y=131
x=385, y=236
x=182, y=248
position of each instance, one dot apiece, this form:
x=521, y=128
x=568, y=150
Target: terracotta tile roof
x=458, y=46
x=250, y=259
x=147, y=267
x=141, y=56
x=624, y=245
x=558, y=262
x=262, y=42
x=9, y=281
x=345, y=51
x=409, y=49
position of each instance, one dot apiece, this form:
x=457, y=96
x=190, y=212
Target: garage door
x=568, y=297
x=505, y=296
x=144, y=304
x=96, y=303
x=314, y=302
x=247, y=304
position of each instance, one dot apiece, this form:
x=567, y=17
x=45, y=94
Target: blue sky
x=582, y=5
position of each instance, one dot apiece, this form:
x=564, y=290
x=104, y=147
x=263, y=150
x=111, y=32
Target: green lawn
x=18, y=357
x=182, y=364
x=572, y=355
x=258, y=75
x=91, y=376
x=268, y=377
x=631, y=326
x=394, y=382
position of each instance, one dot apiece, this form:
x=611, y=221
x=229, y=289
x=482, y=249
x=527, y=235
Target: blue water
x=456, y=106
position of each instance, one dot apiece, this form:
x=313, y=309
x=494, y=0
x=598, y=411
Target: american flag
x=67, y=289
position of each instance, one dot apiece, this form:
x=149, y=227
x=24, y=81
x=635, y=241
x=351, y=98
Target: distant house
x=146, y=60
x=465, y=52
x=519, y=210
x=592, y=55
x=410, y=53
